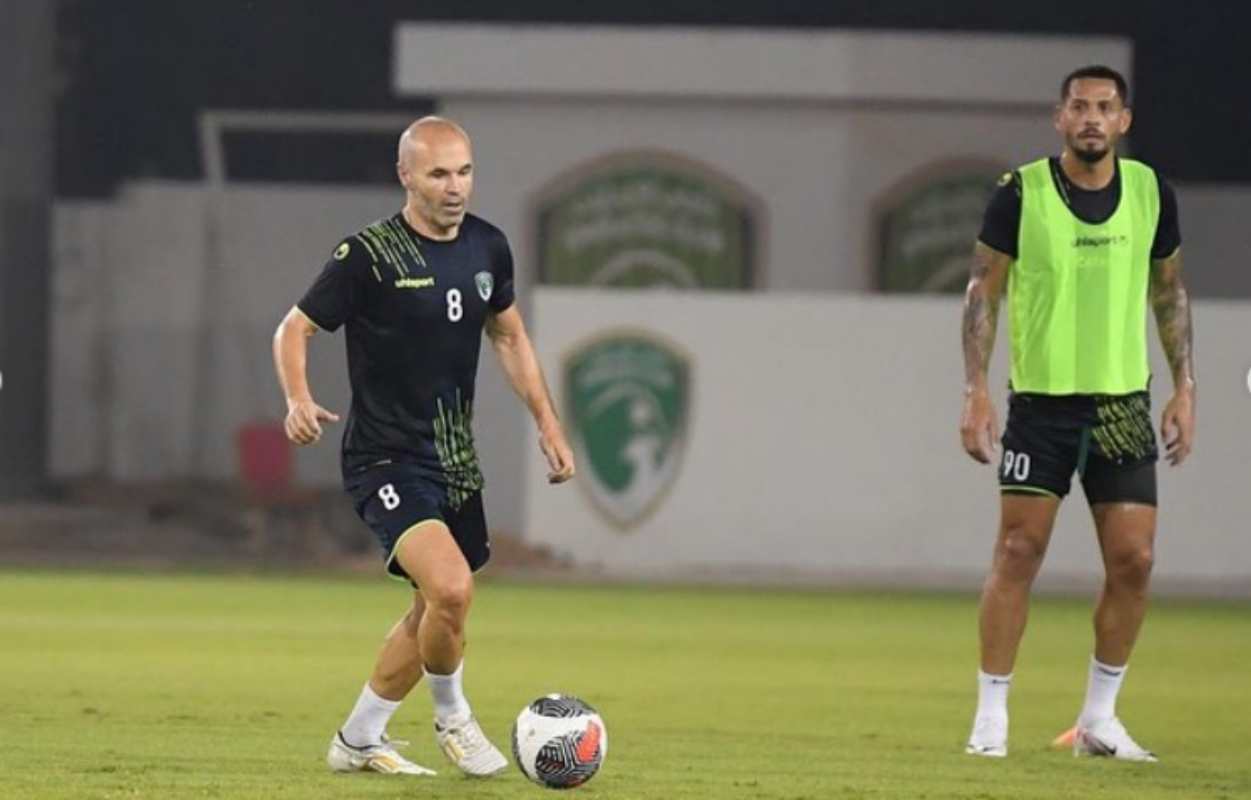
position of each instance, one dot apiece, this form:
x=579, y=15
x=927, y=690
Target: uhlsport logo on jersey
x=627, y=399
x=643, y=219
x=485, y=283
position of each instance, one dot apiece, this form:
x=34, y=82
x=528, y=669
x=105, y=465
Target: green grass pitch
x=171, y=686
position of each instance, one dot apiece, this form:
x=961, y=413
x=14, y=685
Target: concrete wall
x=1216, y=239
x=823, y=444
x=816, y=171
x=165, y=301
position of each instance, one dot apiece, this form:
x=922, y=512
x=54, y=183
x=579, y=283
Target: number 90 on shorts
x=1015, y=466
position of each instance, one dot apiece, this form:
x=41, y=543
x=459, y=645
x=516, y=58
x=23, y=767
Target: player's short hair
x=1096, y=71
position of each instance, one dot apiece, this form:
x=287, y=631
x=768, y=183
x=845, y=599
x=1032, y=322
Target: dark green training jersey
x=414, y=310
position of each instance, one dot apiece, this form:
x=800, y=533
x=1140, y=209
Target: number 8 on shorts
x=389, y=497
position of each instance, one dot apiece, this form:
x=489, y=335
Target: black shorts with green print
x=1106, y=439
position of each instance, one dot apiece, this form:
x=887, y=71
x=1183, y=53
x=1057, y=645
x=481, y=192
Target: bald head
x=435, y=165
x=427, y=133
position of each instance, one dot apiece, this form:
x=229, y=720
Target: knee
x=449, y=598
x=1131, y=568
x=1019, y=554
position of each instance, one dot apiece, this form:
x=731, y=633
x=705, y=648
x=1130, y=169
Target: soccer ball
x=559, y=741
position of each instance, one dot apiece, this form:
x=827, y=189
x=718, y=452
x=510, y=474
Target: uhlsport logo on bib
x=627, y=399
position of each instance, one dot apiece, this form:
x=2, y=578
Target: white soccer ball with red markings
x=559, y=741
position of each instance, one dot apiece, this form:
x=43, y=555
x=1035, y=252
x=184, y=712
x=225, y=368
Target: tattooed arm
x=1171, y=304
x=978, y=427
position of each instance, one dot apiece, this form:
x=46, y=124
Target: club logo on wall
x=627, y=400
x=645, y=219
x=927, y=224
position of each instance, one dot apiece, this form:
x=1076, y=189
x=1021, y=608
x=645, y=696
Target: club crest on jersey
x=626, y=396
x=485, y=282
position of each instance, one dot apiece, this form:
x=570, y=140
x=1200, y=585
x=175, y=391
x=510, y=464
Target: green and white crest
x=627, y=401
x=485, y=282
x=646, y=219
x=927, y=223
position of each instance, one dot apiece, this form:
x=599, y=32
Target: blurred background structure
x=758, y=218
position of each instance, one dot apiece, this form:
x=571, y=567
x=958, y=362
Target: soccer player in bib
x=1081, y=243
x=415, y=292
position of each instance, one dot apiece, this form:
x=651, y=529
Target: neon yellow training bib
x=1077, y=294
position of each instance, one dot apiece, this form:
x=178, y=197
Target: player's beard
x=1090, y=156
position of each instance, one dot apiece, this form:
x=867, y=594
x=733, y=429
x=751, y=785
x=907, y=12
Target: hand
x=1177, y=426
x=979, y=430
x=556, y=450
x=304, y=418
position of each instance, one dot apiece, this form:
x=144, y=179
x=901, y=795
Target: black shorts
x=1107, y=439
x=395, y=499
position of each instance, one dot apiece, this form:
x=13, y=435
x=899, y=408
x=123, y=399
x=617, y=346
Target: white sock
x=368, y=719
x=992, y=695
x=448, y=694
x=1101, y=690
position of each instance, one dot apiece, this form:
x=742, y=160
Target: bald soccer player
x=415, y=292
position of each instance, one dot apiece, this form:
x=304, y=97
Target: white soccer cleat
x=461, y=739
x=343, y=757
x=989, y=737
x=1108, y=738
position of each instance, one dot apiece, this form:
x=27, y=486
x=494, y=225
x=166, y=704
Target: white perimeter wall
x=823, y=445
